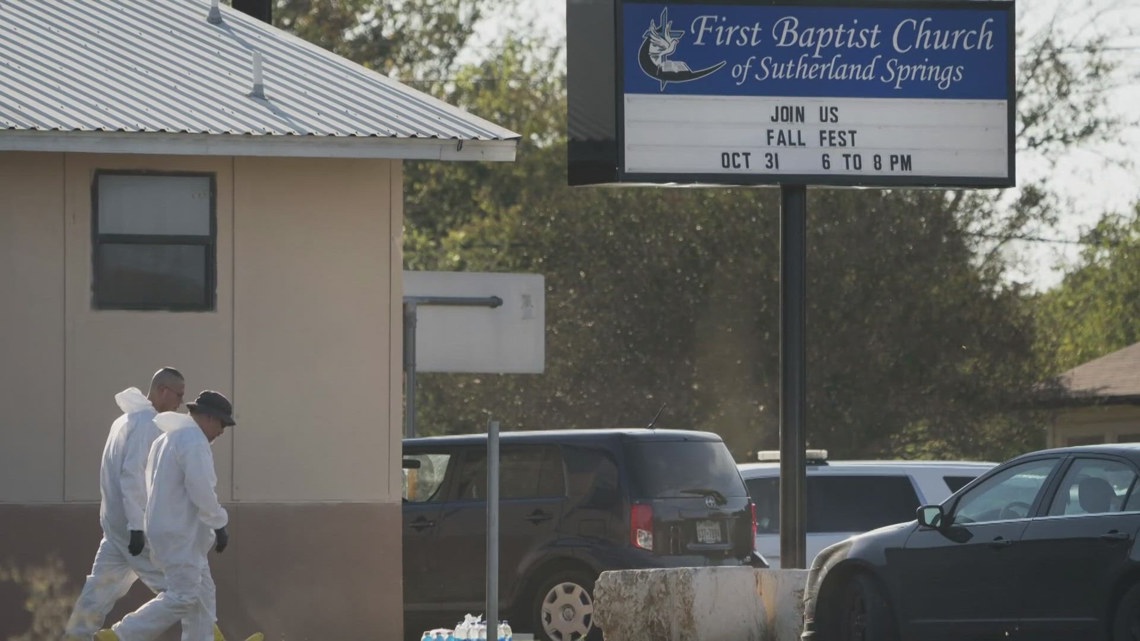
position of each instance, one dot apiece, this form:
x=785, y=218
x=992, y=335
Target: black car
x=573, y=503
x=1041, y=548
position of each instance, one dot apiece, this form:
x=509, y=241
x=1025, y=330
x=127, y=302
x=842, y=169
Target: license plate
x=708, y=532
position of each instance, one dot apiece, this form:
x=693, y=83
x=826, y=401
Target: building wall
x=1095, y=424
x=31, y=328
x=313, y=332
x=305, y=340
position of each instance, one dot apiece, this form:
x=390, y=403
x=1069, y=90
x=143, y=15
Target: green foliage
x=521, y=87
x=400, y=38
x=1096, y=309
x=917, y=346
x=670, y=296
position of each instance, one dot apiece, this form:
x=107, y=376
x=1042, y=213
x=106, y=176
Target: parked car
x=845, y=498
x=1043, y=546
x=573, y=503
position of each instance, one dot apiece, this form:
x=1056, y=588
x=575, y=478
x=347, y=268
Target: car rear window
x=669, y=469
x=855, y=503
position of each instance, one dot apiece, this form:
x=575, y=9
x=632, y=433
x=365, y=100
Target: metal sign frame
x=827, y=179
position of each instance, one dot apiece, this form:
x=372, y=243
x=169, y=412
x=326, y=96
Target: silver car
x=845, y=498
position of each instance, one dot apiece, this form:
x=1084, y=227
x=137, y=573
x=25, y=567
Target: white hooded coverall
x=182, y=513
x=122, y=484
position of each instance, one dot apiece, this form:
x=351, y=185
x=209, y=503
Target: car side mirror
x=411, y=464
x=757, y=560
x=931, y=516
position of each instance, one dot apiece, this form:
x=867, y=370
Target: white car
x=845, y=498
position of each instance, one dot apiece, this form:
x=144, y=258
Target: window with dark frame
x=154, y=241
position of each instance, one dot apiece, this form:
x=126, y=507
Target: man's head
x=212, y=412
x=167, y=387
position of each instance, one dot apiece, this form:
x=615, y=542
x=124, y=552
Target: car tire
x=1126, y=620
x=863, y=612
x=563, y=608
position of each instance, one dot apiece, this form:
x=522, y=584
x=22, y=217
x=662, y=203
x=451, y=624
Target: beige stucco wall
x=316, y=331
x=1112, y=423
x=305, y=338
x=31, y=327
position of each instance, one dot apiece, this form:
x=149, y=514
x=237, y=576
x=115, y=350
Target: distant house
x=1101, y=403
x=192, y=187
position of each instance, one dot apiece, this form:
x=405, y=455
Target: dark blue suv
x=573, y=503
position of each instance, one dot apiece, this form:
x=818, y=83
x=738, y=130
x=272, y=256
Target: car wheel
x=863, y=612
x=1126, y=622
x=564, y=608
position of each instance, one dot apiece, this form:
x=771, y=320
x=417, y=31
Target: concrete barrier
x=700, y=604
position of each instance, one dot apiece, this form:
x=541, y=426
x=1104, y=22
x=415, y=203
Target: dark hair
x=165, y=377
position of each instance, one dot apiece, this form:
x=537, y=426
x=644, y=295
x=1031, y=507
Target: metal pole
x=793, y=375
x=493, y=530
x=410, y=313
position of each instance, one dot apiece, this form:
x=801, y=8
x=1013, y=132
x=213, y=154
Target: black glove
x=138, y=541
x=223, y=540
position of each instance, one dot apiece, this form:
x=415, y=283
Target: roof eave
x=1078, y=399
x=280, y=146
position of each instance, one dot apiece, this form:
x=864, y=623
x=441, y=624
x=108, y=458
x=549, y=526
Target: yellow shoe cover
x=256, y=636
x=106, y=635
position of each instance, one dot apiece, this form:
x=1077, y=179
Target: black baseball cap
x=214, y=404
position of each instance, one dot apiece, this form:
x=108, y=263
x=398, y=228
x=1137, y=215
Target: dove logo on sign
x=659, y=43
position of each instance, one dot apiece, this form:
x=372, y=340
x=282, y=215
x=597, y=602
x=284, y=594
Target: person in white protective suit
x=119, y=561
x=183, y=521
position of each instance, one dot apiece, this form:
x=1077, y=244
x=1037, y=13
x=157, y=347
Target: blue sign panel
x=840, y=52
x=887, y=94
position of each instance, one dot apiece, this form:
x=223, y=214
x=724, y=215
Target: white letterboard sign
x=890, y=94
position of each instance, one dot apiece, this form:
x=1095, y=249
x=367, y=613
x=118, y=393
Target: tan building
x=219, y=196
x=1102, y=404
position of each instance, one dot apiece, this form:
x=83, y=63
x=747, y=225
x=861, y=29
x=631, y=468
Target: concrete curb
x=704, y=603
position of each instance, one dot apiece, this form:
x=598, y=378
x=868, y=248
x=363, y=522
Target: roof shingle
x=1113, y=375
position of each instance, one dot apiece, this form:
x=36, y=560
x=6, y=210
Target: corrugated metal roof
x=158, y=66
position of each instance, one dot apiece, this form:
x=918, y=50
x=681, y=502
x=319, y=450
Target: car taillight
x=641, y=526
x=755, y=525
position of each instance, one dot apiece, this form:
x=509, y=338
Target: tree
x=519, y=86
x=1096, y=308
x=917, y=344
x=1066, y=73
x=416, y=40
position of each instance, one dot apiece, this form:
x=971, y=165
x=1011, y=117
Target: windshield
x=674, y=469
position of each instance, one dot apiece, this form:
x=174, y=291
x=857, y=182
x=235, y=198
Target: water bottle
x=505, y=633
x=481, y=632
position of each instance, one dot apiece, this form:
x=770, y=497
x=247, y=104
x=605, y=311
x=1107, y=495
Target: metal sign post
x=492, y=615
x=793, y=375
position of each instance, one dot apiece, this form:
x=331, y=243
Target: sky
x=1090, y=179
x=1086, y=176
